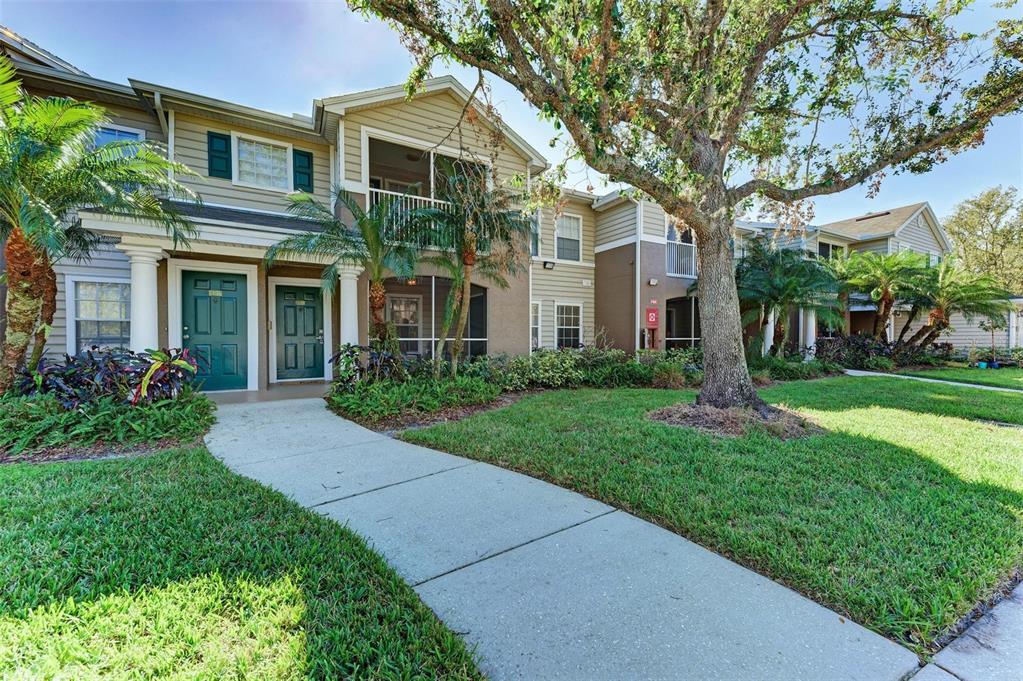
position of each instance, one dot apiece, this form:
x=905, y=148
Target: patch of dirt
x=735, y=422
x=95, y=452
x=414, y=420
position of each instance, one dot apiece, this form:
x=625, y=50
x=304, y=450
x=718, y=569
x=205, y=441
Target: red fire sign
x=652, y=321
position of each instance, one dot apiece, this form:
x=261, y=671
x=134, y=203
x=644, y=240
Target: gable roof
x=394, y=94
x=11, y=41
x=887, y=223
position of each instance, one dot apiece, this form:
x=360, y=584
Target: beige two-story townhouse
x=257, y=326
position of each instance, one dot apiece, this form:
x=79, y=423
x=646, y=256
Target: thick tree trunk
x=463, y=317
x=780, y=335
x=884, y=311
x=726, y=381
x=23, y=304
x=46, y=313
x=914, y=312
x=377, y=299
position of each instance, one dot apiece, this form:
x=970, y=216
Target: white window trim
x=539, y=324
x=328, y=322
x=557, y=236
x=70, y=312
x=582, y=325
x=175, y=266
x=419, y=326
x=125, y=128
x=235, y=136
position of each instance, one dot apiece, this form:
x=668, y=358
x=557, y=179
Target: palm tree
x=949, y=289
x=384, y=240
x=885, y=278
x=478, y=228
x=50, y=168
x=773, y=280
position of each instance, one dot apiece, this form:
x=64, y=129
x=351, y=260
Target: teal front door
x=214, y=327
x=299, y=332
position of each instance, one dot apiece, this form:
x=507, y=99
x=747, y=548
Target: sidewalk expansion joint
x=393, y=484
x=517, y=546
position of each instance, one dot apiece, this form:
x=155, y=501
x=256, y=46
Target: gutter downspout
x=639, y=243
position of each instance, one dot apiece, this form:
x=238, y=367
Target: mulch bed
x=735, y=422
x=95, y=452
x=413, y=420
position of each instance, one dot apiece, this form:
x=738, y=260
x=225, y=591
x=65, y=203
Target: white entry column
x=145, y=329
x=809, y=331
x=348, y=276
x=768, y=334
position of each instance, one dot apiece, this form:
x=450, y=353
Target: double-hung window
x=569, y=321
x=404, y=313
x=99, y=314
x=116, y=133
x=568, y=233
x=263, y=164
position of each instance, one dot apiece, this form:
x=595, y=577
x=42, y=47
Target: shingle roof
x=881, y=224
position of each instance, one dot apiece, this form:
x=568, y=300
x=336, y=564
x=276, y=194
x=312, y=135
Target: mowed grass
x=1011, y=377
x=172, y=567
x=904, y=515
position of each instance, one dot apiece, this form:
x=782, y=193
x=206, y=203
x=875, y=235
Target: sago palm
x=884, y=278
x=948, y=289
x=773, y=280
x=50, y=168
x=481, y=229
x=383, y=241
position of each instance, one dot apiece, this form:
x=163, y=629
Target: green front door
x=214, y=327
x=299, y=325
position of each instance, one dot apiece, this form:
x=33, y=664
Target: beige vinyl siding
x=919, y=236
x=136, y=118
x=565, y=284
x=963, y=334
x=548, y=219
x=190, y=149
x=106, y=261
x=653, y=220
x=429, y=119
x=876, y=246
x=616, y=223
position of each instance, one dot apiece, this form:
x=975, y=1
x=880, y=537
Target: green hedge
x=372, y=402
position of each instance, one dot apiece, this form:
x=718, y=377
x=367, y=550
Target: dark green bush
x=879, y=364
x=372, y=402
x=792, y=370
x=39, y=422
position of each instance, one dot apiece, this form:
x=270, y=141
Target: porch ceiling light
x=548, y=264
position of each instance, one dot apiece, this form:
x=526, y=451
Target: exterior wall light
x=548, y=264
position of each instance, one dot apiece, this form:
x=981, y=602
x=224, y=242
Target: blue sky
x=281, y=55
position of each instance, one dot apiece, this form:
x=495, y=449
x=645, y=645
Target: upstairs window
x=262, y=164
x=568, y=235
x=117, y=133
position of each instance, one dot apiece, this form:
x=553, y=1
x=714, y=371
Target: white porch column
x=145, y=330
x=768, y=334
x=349, y=278
x=1014, y=317
x=809, y=331
x=890, y=328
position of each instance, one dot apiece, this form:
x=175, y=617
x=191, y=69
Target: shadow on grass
x=176, y=565
x=906, y=539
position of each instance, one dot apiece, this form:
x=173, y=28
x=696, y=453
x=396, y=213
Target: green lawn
x=171, y=566
x=904, y=515
x=1000, y=378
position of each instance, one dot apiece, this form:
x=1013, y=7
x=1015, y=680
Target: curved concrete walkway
x=957, y=384
x=545, y=583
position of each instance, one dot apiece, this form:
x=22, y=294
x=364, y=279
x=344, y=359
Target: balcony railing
x=681, y=259
x=407, y=203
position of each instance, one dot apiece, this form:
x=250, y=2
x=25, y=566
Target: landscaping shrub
x=30, y=424
x=543, y=369
x=780, y=369
x=851, y=352
x=670, y=375
x=879, y=364
x=121, y=375
x=372, y=401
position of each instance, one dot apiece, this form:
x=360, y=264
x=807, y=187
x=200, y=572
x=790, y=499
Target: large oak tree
x=709, y=105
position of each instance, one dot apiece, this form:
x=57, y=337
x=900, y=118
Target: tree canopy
x=987, y=231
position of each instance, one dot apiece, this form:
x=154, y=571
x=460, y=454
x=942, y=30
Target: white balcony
x=681, y=259
x=405, y=203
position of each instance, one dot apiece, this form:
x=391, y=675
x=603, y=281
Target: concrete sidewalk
x=957, y=384
x=545, y=582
